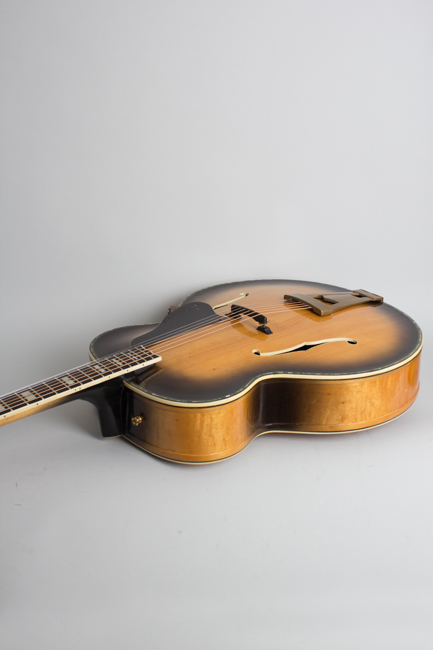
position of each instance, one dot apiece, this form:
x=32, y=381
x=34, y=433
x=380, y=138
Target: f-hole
x=303, y=347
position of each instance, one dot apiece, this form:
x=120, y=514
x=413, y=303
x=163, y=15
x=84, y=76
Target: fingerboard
x=66, y=383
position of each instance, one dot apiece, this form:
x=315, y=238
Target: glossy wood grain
x=208, y=434
x=219, y=363
x=211, y=395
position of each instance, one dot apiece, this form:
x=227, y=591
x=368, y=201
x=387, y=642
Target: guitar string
x=185, y=329
x=299, y=306
x=240, y=309
x=178, y=339
x=211, y=327
x=185, y=338
x=297, y=319
x=15, y=398
x=262, y=304
x=210, y=320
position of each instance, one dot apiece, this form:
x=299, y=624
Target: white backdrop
x=149, y=149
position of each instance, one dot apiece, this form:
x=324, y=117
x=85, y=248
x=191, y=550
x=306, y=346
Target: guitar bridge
x=237, y=311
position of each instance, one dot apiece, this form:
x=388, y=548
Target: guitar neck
x=56, y=390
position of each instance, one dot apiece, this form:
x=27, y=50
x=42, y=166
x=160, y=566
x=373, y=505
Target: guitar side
x=336, y=401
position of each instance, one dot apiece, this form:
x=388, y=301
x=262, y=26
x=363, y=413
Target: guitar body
x=230, y=382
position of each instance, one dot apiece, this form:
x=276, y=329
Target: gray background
x=149, y=149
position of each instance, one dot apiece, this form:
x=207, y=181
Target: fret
x=112, y=367
x=55, y=385
x=124, y=367
x=98, y=367
x=44, y=390
x=141, y=352
x=13, y=400
x=134, y=357
x=39, y=389
x=29, y=396
x=67, y=383
x=90, y=372
x=134, y=352
x=3, y=407
x=79, y=376
x=126, y=363
x=121, y=358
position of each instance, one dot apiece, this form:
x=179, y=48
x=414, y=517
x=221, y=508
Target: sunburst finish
x=212, y=393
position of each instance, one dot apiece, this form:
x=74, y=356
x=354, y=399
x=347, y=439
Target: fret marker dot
x=68, y=381
x=28, y=395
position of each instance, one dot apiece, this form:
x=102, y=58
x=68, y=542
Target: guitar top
x=237, y=360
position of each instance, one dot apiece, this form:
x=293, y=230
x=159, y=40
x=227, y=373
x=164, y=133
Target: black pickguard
x=108, y=397
x=189, y=317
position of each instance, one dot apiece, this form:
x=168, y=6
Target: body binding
x=211, y=396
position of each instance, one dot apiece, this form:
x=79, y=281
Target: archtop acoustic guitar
x=238, y=360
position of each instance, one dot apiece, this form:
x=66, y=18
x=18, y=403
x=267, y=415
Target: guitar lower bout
x=207, y=434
